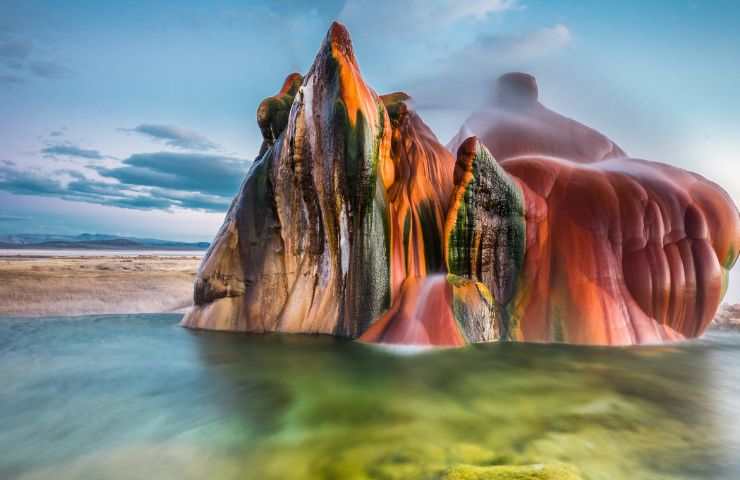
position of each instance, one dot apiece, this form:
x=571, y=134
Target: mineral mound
x=354, y=220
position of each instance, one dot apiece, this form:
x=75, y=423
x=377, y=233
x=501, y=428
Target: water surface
x=139, y=397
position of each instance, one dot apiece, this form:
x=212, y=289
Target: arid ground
x=31, y=286
x=81, y=285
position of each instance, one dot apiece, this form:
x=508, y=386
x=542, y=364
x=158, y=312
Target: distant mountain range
x=89, y=241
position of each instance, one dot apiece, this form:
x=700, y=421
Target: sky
x=138, y=118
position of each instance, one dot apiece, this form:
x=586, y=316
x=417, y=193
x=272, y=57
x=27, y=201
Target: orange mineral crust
x=355, y=221
x=418, y=194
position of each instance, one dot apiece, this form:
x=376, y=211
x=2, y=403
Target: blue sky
x=137, y=118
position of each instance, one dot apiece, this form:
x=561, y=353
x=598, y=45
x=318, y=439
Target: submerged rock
x=355, y=221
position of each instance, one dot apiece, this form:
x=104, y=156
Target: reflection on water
x=139, y=397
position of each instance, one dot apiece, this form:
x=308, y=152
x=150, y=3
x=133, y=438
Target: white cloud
x=520, y=47
x=479, y=9
x=464, y=78
x=417, y=16
x=175, y=136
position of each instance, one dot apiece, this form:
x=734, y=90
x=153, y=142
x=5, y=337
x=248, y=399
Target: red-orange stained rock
x=630, y=251
x=422, y=315
x=419, y=193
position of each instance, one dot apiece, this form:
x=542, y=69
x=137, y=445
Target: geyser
x=355, y=221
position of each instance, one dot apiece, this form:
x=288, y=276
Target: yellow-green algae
x=528, y=472
x=418, y=425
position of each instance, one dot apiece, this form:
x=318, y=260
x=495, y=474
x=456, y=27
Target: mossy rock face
x=273, y=112
x=508, y=472
x=485, y=228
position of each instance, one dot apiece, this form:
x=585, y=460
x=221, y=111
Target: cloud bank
x=174, y=136
x=72, y=151
x=417, y=16
x=193, y=172
x=144, y=181
x=16, y=54
x=452, y=86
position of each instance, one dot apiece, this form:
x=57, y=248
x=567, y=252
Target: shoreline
x=67, y=282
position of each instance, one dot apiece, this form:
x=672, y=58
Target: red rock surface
x=619, y=250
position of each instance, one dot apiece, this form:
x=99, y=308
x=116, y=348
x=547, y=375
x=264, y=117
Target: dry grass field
x=31, y=286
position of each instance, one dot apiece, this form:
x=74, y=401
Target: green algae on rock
x=273, y=112
x=486, y=230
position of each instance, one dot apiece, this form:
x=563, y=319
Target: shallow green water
x=140, y=397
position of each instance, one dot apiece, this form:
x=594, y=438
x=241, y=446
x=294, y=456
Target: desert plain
x=95, y=284
x=48, y=284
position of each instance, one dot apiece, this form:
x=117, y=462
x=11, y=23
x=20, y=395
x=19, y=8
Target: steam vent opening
x=516, y=87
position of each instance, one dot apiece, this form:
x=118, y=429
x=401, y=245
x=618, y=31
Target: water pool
x=136, y=396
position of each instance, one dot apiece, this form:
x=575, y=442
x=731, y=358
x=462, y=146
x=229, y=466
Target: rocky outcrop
x=486, y=230
x=343, y=205
x=618, y=250
x=355, y=221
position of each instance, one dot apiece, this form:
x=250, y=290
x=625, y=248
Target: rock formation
x=619, y=250
x=354, y=220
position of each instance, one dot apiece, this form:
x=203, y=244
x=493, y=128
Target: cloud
x=193, y=172
x=143, y=202
x=28, y=183
x=56, y=133
x=12, y=218
x=418, y=16
x=48, y=70
x=195, y=201
x=464, y=77
x=520, y=47
x=146, y=181
x=10, y=79
x=175, y=136
x=72, y=151
x=14, y=52
x=478, y=9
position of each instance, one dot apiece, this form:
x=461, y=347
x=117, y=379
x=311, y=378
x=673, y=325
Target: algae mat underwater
x=139, y=397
